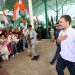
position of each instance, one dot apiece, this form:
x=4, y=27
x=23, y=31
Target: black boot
x=36, y=57
x=51, y=63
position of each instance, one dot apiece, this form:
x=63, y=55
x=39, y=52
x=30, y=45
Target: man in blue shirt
x=56, y=34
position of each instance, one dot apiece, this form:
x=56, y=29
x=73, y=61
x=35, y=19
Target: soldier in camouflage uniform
x=33, y=38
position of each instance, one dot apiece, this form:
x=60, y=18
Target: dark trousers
x=14, y=48
x=62, y=64
x=56, y=55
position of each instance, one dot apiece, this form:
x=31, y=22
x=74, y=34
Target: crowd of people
x=12, y=42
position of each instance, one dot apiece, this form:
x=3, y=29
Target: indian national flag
x=19, y=5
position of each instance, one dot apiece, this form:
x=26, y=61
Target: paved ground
x=22, y=65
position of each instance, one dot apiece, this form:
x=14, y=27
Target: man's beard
x=63, y=27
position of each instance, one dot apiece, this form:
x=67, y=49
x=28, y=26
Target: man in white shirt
x=67, y=40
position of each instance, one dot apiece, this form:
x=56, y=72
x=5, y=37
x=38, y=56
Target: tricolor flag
x=19, y=5
x=23, y=8
x=16, y=11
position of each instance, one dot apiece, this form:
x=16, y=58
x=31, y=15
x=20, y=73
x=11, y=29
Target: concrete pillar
x=31, y=13
x=46, y=16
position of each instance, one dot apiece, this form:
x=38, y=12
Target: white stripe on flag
x=20, y=1
x=17, y=13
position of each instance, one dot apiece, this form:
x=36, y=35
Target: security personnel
x=56, y=34
x=33, y=38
